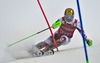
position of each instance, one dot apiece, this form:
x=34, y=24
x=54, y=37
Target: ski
x=43, y=53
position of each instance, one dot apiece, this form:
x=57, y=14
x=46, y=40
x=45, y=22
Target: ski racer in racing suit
x=65, y=32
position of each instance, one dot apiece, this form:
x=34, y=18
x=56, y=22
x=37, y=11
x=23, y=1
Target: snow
x=72, y=55
x=21, y=18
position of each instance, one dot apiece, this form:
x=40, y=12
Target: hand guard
x=89, y=42
x=56, y=24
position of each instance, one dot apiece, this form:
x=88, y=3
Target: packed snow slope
x=71, y=55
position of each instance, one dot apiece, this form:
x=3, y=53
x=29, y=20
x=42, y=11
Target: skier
x=64, y=33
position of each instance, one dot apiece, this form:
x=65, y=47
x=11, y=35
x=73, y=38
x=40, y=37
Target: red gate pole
x=48, y=25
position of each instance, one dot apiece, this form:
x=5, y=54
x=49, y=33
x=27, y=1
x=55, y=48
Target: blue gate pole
x=80, y=18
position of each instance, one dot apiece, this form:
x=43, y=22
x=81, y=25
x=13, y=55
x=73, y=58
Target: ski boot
x=38, y=54
x=44, y=49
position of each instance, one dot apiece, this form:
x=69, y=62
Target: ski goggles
x=69, y=16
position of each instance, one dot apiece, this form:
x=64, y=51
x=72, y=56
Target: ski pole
x=27, y=37
x=57, y=24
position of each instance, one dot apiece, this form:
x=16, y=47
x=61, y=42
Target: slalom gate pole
x=27, y=37
x=80, y=18
x=48, y=24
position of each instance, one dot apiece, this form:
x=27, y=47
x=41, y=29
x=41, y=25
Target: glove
x=89, y=42
x=56, y=24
